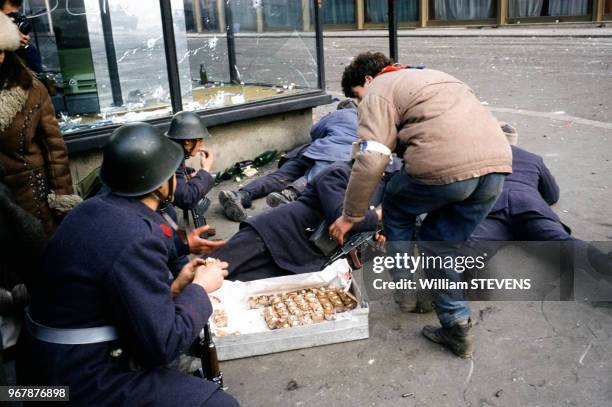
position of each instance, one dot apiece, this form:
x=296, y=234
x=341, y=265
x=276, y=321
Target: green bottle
x=264, y=158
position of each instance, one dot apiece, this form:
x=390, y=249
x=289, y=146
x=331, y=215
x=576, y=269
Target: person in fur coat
x=20, y=233
x=32, y=149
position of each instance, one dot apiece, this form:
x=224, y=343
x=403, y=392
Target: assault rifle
x=205, y=347
x=197, y=213
x=350, y=249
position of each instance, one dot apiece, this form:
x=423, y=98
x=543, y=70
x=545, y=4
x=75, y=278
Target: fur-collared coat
x=20, y=233
x=32, y=151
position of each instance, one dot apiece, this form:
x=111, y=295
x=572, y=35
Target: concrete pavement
x=557, y=91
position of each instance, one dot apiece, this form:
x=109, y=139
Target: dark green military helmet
x=138, y=159
x=186, y=126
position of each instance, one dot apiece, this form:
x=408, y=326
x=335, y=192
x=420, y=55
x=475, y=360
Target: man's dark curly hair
x=16, y=3
x=367, y=63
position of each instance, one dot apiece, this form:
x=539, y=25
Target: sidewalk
x=558, y=93
x=545, y=30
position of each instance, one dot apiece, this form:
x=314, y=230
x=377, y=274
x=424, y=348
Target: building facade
x=278, y=15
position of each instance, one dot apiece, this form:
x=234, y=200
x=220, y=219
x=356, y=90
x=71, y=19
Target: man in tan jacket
x=455, y=157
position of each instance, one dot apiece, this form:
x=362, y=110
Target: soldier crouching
x=104, y=318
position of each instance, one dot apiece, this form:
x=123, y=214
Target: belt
x=70, y=336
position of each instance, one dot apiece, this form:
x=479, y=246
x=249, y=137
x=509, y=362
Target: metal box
x=348, y=326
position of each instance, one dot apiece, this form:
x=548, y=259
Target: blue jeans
x=453, y=212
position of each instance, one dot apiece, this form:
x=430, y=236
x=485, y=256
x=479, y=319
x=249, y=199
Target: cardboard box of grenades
x=290, y=312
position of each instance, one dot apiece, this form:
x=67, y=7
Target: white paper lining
x=234, y=295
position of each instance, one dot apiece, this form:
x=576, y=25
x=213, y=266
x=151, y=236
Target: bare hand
x=207, y=160
x=210, y=278
x=339, y=229
x=185, y=276
x=380, y=240
x=24, y=40
x=197, y=245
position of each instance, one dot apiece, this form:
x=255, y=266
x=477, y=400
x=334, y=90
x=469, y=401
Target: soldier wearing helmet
x=105, y=319
x=187, y=130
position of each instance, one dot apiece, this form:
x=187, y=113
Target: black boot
x=285, y=196
x=232, y=206
x=457, y=338
x=245, y=199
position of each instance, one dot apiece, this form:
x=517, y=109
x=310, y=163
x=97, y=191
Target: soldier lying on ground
x=278, y=242
x=332, y=138
x=522, y=213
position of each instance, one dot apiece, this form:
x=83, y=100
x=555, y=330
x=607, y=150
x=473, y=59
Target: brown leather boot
x=457, y=338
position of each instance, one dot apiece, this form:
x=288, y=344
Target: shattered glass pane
x=274, y=51
x=104, y=60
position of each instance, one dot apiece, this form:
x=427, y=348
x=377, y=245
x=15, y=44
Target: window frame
x=88, y=139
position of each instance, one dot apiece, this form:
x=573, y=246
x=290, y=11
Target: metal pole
x=111, y=55
x=26, y=6
x=48, y=8
x=393, y=50
x=197, y=15
x=231, y=43
x=174, y=80
x=318, y=21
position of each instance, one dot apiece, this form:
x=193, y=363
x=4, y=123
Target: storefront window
x=552, y=8
x=244, y=14
x=282, y=63
x=339, y=12
x=104, y=61
x=284, y=15
x=525, y=8
x=462, y=9
x=558, y=8
x=376, y=12
x=202, y=15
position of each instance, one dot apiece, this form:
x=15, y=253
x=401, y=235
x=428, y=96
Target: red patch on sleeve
x=167, y=231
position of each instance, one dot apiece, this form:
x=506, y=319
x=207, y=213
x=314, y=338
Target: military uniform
x=107, y=265
x=522, y=211
x=191, y=188
x=332, y=137
x=277, y=242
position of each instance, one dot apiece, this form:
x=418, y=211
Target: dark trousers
x=248, y=257
x=529, y=226
x=221, y=399
x=453, y=212
x=286, y=176
x=501, y=226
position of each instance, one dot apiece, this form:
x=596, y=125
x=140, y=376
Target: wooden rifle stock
x=210, y=360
